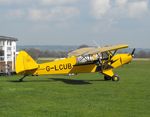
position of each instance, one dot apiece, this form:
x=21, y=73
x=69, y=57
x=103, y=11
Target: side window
x=1, y=52
x=104, y=55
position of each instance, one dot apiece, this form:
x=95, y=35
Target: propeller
x=133, y=52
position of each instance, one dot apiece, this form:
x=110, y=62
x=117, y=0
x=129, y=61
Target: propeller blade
x=133, y=52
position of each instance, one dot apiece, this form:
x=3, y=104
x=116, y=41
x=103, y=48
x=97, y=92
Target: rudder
x=25, y=62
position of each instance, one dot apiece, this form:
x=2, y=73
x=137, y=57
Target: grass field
x=84, y=95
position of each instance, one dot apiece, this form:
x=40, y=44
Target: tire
x=115, y=78
x=107, y=78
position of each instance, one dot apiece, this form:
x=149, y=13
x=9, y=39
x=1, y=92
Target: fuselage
x=64, y=66
x=69, y=65
x=72, y=65
x=85, y=60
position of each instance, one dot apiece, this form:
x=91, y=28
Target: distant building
x=7, y=54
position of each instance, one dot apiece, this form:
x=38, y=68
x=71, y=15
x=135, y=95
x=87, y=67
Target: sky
x=76, y=22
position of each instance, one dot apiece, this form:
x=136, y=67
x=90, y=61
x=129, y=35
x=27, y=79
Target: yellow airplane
x=84, y=60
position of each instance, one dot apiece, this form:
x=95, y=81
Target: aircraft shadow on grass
x=64, y=80
x=71, y=81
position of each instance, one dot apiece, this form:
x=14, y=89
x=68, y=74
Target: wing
x=105, y=49
x=93, y=50
x=81, y=51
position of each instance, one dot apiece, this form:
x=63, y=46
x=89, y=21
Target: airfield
x=84, y=95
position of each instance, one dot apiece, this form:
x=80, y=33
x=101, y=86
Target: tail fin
x=24, y=62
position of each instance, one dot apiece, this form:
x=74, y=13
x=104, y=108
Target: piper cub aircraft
x=83, y=60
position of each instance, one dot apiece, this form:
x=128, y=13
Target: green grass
x=84, y=95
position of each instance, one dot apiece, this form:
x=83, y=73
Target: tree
x=36, y=53
x=142, y=54
x=33, y=52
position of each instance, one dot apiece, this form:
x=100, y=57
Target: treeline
x=142, y=54
x=37, y=53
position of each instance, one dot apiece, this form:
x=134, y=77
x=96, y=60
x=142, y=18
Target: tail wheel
x=115, y=78
x=107, y=78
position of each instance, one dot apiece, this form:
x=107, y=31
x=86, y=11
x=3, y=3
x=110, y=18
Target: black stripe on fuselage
x=87, y=63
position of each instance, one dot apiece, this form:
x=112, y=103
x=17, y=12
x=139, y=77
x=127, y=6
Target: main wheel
x=115, y=78
x=107, y=78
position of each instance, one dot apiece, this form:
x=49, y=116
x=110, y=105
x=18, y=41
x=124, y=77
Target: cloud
x=137, y=9
x=53, y=14
x=39, y=2
x=50, y=10
x=57, y=2
x=99, y=8
x=12, y=2
x=108, y=14
x=35, y=10
x=121, y=3
x=2, y=2
x=16, y=13
x=118, y=9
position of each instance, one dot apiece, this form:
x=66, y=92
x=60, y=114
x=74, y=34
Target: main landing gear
x=113, y=78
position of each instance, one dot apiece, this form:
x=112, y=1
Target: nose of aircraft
x=127, y=58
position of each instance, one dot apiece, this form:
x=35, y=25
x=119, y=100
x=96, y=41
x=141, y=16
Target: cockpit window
x=105, y=55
